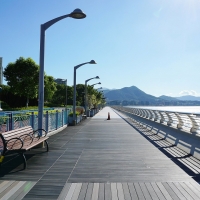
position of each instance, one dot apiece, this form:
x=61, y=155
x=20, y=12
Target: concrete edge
x=57, y=131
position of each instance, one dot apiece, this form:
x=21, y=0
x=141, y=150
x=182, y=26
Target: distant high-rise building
x=1, y=70
x=61, y=81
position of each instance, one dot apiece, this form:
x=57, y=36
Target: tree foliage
x=59, y=96
x=49, y=88
x=22, y=76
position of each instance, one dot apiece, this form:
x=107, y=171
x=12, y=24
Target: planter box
x=70, y=120
x=91, y=113
x=78, y=119
x=88, y=113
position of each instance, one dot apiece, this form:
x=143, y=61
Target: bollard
x=108, y=116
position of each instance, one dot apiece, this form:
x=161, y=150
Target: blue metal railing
x=51, y=121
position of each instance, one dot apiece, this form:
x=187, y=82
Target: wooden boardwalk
x=101, y=159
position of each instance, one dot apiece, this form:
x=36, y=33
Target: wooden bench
x=21, y=140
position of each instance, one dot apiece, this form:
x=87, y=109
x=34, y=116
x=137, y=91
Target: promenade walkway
x=98, y=159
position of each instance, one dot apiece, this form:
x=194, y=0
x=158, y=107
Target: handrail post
x=146, y=114
x=66, y=112
x=32, y=120
x=150, y=115
x=195, y=124
x=10, y=125
x=140, y=112
x=143, y=113
x=180, y=121
x=155, y=115
x=62, y=117
x=47, y=121
x=8, y=122
x=56, y=119
x=170, y=119
x=162, y=120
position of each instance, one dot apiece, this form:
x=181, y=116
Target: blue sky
x=151, y=44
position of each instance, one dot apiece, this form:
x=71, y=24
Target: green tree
x=80, y=93
x=59, y=96
x=94, y=97
x=22, y=77
x=49, y=88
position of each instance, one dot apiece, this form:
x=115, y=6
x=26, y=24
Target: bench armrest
x=37, y=134
x=25, y=139
x=14, y=143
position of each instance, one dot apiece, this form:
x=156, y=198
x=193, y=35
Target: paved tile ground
x=100, y=159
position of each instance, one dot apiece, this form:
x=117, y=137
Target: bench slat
x=17, y=130
x=18, y=136
x=35, y=143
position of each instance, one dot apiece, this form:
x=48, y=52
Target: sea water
x=181, y=109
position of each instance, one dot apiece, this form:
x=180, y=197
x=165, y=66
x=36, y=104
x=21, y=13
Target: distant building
x=61, y=81
x=1, y=70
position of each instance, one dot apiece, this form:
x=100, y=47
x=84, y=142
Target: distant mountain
x=188, y=98
x=168, y=98
x=128, y=94
x=106, y=90
x=135, y=94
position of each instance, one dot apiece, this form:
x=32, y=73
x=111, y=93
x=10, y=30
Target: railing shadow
x=184, y=160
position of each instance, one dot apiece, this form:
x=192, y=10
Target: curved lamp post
x=0, y=99
x=76, y=14
x=96, y=77
x=95, y=84
x=74, y=92
x=66, y=94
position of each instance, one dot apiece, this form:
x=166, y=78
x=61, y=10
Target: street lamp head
x=92, y=62
x=99, y=83
x=97, y=77
x=77, y=14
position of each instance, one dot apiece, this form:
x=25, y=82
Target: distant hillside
x=106, y=90
x=168, y=98
x=129, y=94
x=188, y=98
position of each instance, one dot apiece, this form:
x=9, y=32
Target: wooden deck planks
x=114, y=191
x=95, y=191
x=132, y=191
x=89, y=191
x=83, y=192
x=127, y=191
x=183, y=191
x=120, y=192
x=151, y=191
x=127, y=194
x=16, y=190
x=101, y=191
x=107, y=190
x=64, y=191
x=77, y=191
x=105, y=160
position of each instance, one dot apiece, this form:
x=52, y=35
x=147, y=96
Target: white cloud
x=189, y=92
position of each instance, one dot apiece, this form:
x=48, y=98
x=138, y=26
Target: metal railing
x=51, y=121
x=185, y=121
